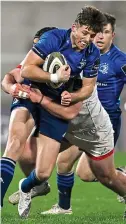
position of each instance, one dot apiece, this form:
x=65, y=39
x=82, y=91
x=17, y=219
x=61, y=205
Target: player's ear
x=73, y=28
x=113, y=34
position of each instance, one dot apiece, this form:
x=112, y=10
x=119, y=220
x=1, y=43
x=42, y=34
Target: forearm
x=82, y=94
x=7, y=83
x=35, y=73
x=60, y=111
x=88, y=85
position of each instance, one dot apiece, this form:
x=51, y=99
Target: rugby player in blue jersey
x=92, y=132
x=111, y=79
x=75, y=44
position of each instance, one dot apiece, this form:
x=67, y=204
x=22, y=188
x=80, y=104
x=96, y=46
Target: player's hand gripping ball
x=52, y=64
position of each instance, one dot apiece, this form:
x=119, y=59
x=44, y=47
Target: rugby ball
x=52, y=63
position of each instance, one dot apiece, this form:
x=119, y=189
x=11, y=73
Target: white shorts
x=92, y=130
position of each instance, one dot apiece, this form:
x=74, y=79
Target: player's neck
x=105, y=50
x=73, y=43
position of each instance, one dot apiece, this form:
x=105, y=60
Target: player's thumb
x=64, y=93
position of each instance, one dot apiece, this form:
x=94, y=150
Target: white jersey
x=92, y=130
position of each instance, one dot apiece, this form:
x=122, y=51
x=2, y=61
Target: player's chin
x=81, y=46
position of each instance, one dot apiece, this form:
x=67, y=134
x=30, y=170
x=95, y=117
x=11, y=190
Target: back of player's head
x=111, y=20
x=40, y=32
x=92, y=17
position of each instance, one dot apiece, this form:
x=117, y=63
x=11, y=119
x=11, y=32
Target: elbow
x=3, y=85
x=23, y=73
x=71, y=116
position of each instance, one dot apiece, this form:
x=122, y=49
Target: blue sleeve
x=125, y=79
x=120, y=66
x=92, y=65
x=47, y=44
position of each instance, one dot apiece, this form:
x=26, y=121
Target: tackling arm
x=57, y=110
x=67, y=113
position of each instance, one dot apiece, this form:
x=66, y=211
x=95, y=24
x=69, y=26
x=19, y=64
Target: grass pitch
x=92, y=203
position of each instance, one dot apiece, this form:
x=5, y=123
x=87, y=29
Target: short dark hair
x=111, y=19
x=92, y=17
x=43, y=30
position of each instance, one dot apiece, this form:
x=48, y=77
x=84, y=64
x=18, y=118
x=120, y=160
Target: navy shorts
x=116, y=123
x=51, y=126
x=46, y=124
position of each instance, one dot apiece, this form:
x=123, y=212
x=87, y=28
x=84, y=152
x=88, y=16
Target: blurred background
x=21, y=20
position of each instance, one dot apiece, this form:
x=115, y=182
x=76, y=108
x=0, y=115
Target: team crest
x=103, y=68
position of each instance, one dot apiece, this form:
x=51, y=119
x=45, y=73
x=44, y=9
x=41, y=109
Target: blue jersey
x=111, y=79
x=85, y=61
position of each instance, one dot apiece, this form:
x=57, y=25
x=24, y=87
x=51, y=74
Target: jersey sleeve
x=120, y=67
x=46, y=45
x=92, y=65
x=125, y=79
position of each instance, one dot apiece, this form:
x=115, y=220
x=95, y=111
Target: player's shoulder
x=117, y=55
x=92, y=50
x=57, y=33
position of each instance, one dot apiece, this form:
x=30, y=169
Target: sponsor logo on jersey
x=82, y=63
x=101, y=84
x=103, y=68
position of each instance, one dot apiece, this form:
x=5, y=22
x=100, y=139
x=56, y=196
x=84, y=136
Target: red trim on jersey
x=101, y=157
x=19, y=66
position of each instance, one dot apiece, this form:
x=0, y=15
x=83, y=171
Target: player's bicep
x=32, y=59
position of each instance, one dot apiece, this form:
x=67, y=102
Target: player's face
x=81, y=36
x=104, y=40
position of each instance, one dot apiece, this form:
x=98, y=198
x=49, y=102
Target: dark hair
x=43, y=30
x=111, y=19
x=92, y=17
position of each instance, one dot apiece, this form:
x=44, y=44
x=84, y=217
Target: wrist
x=54, y=78
x=41, y=99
